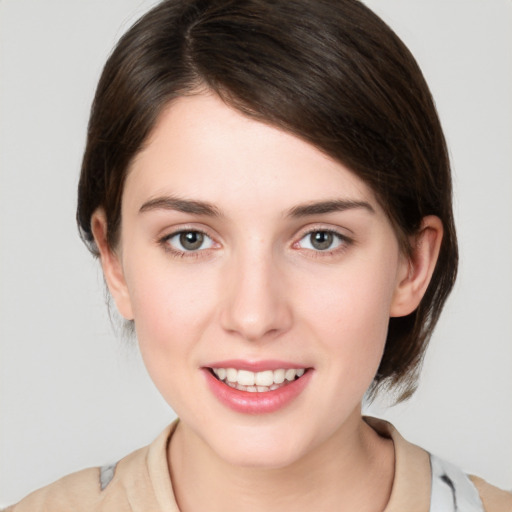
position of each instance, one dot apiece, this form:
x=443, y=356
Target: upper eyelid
x=173, y=231
x=323, y=230
x=341, y=236
x=181, y=231
x=329, y=229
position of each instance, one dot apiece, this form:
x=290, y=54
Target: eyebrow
x=323, y=207
x=210, y=210
x=181, y=205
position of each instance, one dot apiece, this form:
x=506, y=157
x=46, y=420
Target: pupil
x=321, y=240
x=191, y=240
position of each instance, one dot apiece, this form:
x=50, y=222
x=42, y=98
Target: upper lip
x=255, y=366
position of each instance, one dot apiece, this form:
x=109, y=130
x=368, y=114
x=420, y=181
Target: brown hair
x=330, y=72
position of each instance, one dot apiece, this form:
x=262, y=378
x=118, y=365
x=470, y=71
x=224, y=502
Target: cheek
x=170, y=309
x=351, y=316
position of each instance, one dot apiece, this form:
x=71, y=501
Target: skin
x=258, y=289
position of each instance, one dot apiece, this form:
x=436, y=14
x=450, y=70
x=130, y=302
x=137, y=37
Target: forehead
x=204, y=149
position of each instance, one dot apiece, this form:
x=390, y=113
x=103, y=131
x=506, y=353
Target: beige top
x=141, y=482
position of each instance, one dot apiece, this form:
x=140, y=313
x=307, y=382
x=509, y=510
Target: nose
x=256, y=305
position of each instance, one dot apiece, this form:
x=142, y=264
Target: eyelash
x=164, y=242
x=344, y=243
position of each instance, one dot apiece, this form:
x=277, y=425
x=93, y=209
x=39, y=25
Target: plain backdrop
x=73, y=394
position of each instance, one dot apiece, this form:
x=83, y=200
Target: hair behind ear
x=415, y=309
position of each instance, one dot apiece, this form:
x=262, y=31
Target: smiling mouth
x=257, y=382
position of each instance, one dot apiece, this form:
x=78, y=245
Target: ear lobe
x=111, y=264
x=416, y=272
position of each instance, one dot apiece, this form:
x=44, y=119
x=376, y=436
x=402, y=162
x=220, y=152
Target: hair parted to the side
x=330, y=72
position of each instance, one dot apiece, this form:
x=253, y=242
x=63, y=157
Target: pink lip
x=256, y=403
x=255, y=366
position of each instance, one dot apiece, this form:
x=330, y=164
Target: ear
x=111, y=264
x=416, y=270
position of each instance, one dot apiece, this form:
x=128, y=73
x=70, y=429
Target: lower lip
x=256, y=403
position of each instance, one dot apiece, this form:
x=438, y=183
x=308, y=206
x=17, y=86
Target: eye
x=321, y=240
x=189, y=241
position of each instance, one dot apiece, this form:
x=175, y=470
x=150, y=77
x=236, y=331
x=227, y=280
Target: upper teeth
x=264, y=378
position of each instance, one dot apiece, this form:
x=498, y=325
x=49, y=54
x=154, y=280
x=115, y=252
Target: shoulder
x=113, y=487
x=73, y=492
x=426, y=482
x=494, y=499
x=90, y=489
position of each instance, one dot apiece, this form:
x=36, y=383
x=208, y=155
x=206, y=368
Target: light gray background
x=74, y=395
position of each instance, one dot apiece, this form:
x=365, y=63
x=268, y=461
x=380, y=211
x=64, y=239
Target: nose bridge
x=256, y=304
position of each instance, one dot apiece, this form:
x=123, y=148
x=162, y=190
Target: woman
x=268, y=189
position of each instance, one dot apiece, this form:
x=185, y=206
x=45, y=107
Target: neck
x=352, y=470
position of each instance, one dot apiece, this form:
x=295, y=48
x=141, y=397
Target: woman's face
x=248, y=253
